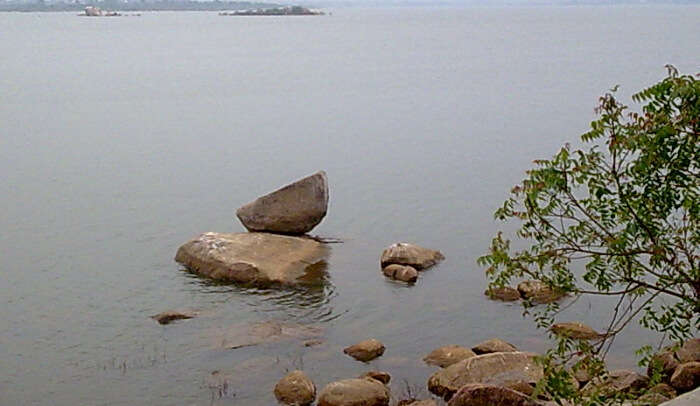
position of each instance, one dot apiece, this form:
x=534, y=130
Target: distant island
x=275, y=11
x=125, y=5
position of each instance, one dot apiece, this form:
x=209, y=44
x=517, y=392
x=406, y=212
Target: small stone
x=448, y=355
x=404, y=273
x=366, y=350
x=477, y=394
x=493, y=345
x=354, y=392
x=686, y=377
x=170, y=316
x=312, y=343
x=295, y=389
x=575, y=330
x=505, y=294
x=410, y=254
x=538, y=292
x=380, y=376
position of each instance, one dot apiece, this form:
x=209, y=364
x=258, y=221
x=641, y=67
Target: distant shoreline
x=118, y=5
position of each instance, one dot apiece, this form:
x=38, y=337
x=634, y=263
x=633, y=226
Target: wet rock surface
x=380, y=376
x=248, y=335
x=410, y=254
x=295, y=389
x=493, y=345
x=575, y=330
x=505, y=294
x=258, y=259
x=354, y=392
x=402, y=273
x=477, y=394
x=293, y=209
x=538, y=292
x=366, y=350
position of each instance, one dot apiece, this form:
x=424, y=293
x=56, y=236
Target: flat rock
x=380, y=376
x=295, y=389
x=575, y=330
x=498, y=369
x=354, y=392
x=493, y=345
x=504, y=293
x=448, y=355
x=248, y=335
x=404, y=273
x=410, y=254
x=538, y=292
x=686, y=376
x=168, y=317
x=477, y=394
x=259, y=259
x=294, y=209
x=366, y=350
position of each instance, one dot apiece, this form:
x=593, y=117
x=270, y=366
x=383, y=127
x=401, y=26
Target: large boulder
x=295, y=389
x=354, y=392
x=366, y=350
x=450, y=354
x=478, y=394
x=253, y=258
x=294, y=209
x=498, y=368
x=670, y=357
x=493, y=345
x=686, y=376
x=410, y=254
x=619, y=380
x=538, y=292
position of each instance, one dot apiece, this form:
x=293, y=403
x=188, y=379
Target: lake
x=122, y=138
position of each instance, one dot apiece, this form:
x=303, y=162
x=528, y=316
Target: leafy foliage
x=619, y=218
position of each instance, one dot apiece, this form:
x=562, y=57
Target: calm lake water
x=121, y=138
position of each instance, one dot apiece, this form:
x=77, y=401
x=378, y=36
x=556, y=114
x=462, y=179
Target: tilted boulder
x=493, y=345
x=354, y=392
x=477, y=394
x=366, y=350
x=498, y=369
x=295, y=389
x=402, y=273
x=294, y=209
x=450, y=354
x=410, y=254
x=253, y=258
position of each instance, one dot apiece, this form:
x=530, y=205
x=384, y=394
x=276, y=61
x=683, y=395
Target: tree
x=617, y=219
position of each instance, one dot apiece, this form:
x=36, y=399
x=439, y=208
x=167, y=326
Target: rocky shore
x=277, y=252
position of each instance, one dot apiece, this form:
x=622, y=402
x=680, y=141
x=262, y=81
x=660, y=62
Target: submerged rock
x=354, y=392
x=499, y=369
x=575, y=330
x=402, y=273
x=253, y=258
x=538, y=292
x=295, y=389
x=505, y=294
x=247, y=335
x=477, y=394
x=493, y=345
x=294, y=209
x=410, y=254
x=450, y=354
x=169, y=316
x=366, y=350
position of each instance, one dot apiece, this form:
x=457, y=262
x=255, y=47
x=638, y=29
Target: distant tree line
x=138, y=5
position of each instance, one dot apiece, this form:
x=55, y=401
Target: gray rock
x=402, y=273
x=354, y=392
x=498, y=369
x=450, y=354
x=294, y=209
x=410, y=254
x=366, y=350
x=253, y=258
x=295, y=389
x=493, y=345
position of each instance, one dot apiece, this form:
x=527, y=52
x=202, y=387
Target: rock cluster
x=534, y=291
x=402, y=261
